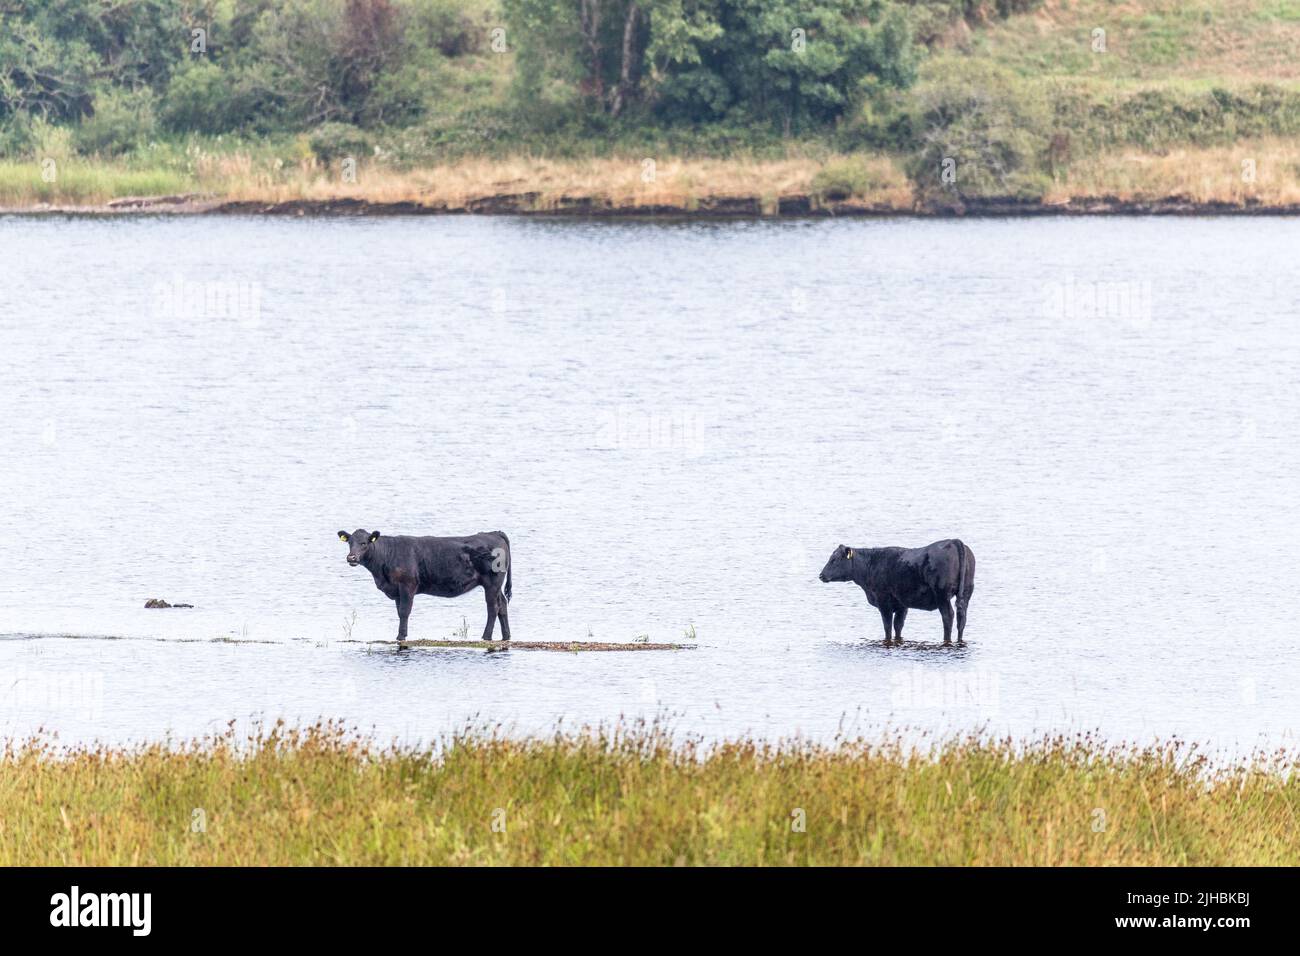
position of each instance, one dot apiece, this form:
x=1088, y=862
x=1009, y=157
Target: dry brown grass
x=624, y=182
x=1192, y=174
x=1201, y=175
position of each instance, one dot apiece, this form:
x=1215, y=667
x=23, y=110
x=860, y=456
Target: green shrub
x=49, y=141
x=204, y=98
x=846, y=178
x=331, y=141
x=978, y=122
x=122, y=121
x=16, y=136
x=931, y=19
x=884, y=120
x=444, y=25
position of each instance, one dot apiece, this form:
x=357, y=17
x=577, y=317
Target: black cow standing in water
x=404, y=566
x=896, y=579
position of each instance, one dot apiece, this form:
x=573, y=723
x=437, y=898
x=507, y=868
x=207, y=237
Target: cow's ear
x=848, y=553
x=343, y=536
x=374, y=536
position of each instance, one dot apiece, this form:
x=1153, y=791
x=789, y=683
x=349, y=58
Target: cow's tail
x=510, y=564
x=961, y=570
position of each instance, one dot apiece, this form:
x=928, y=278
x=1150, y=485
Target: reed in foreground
x=632, y=796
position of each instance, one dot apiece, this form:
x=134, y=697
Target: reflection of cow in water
x=896, y=579
x=403, y=567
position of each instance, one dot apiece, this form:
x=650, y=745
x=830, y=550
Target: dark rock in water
x=159, y=602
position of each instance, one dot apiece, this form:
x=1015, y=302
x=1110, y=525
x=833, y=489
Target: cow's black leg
x=492, y=610
x=503, y=616
x=886, y=617
x=404, y=601
x=945, y=609
x=900, y=616
x=961, y=618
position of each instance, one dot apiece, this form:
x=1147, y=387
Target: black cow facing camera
x=896, y=579
x=405, y=566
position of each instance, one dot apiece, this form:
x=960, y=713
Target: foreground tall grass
x=324, y=796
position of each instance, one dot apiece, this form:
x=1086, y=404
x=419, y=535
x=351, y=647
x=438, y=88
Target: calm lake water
x=676, y=424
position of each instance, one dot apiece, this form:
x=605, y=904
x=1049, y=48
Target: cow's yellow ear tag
x=849, y=554
x=343, y=537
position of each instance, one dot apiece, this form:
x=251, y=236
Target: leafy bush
x=883, y=120
x=204, y=98
x=444, y=25
x=122, y=121
x=846, y=178
x=16, y=136
x=982, y=125
x=331, y=141
x=50, y=141
x=932, y=19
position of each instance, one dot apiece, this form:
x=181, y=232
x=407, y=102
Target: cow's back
x=446, y=564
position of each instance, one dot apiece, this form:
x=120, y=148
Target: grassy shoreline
x=1182, y=109
x=1187, y=179
x=1040, y=105
x=320, y=795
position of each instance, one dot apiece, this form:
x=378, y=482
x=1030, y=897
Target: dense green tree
x=43, y=74
x=793, y=63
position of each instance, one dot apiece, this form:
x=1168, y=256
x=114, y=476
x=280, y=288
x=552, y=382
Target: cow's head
x=840, y=566
x=358, y=542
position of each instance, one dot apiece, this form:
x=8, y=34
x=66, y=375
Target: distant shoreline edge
x=725, y=207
